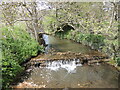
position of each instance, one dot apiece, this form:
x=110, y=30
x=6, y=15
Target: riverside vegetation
x=17, y=47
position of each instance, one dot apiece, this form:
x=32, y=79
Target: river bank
x=95, y=42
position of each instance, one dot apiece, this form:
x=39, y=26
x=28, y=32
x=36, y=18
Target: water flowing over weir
x=68, y=65
x=68, y=72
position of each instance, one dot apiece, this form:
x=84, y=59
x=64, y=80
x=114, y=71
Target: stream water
x=60, y=45
x=68, y=74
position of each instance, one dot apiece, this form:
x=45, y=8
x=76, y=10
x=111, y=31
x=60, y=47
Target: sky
x=60, y=0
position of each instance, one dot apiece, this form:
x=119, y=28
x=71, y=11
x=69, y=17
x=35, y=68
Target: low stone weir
x=84, y=58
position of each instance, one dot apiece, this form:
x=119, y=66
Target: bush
x=118, y=61
x=95, y=41
x=17, y=46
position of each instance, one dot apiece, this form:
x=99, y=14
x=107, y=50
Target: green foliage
x=17, y=46
x=95, y=41
x=118, y=61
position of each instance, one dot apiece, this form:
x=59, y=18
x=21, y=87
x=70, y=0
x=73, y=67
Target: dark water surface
x=69, y=74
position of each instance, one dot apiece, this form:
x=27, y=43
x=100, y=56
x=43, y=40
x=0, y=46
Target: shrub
x=17, y=46
x=95, y=40
x=118, y=61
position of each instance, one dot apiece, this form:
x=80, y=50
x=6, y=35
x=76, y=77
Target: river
x=69, y=74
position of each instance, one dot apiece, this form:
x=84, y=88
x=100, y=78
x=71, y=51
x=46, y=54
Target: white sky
x=42, y=4
x=61, y=0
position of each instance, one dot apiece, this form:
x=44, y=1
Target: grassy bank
x=17, y=46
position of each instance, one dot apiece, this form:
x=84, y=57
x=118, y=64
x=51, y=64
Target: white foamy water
x=69, y=65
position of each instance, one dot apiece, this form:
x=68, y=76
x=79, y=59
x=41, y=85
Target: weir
x=69, y=56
